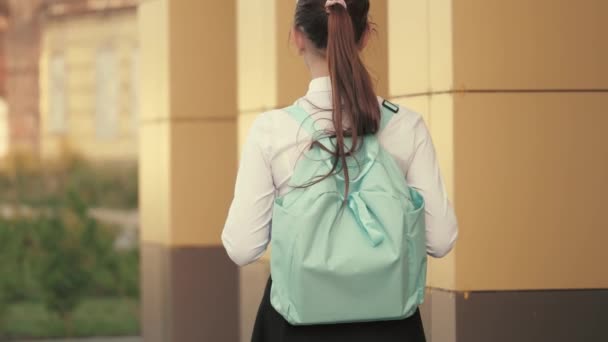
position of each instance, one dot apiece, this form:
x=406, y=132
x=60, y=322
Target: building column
x=258, y=45
x=421, y=79
x=22, y=48
x=4, y=129
x=187, y=169
x=516, y=103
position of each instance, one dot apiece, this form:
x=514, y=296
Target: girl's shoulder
x=403, y=118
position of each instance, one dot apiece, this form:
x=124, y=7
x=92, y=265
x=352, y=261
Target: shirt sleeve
x=425, y=176
x=246, y=233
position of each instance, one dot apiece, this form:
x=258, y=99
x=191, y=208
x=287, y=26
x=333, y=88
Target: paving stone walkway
x=96, y=339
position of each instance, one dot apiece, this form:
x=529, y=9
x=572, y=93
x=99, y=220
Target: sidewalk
x=96, y=339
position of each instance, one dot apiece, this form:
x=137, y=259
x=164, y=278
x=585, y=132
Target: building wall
x=421, y=78
x=516, y=103
x=3, y=23
x=187, y=168
x=499, y=88
x=98, y=52
x=4, y=130
x=497, y=82
x=22, y=50
x=530, y=152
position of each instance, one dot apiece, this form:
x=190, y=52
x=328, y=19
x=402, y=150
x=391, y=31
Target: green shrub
x=93, y=317
x=18, y=254
x=112, y=185
x=65, y=273
x=61, y=257
x=56, y=254
x=64, y=276
x=128, y=273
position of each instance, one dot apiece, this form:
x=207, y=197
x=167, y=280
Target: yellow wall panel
x=292, y=75
x=203, y=75
x=201, y=191
x=154, y=182
x=442, y=272
x=530, y=177
x=257, y=54
x=440, y=33
x=188, y=138
x=418, y=104
x=523, y=44
x=408, y=47
x=441, y=125
x=437, y=111
x=153, y=29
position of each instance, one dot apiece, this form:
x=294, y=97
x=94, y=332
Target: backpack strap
x=388, y=110
x=303, y=119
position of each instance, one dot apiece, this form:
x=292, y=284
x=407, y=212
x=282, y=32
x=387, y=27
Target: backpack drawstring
x=366, y=220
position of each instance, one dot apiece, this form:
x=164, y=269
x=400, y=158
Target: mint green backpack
x=336, y=263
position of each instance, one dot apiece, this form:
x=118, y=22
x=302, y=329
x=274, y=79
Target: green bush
x=55, y=256
x=112, y=185
x=64, y=275
x=62, y=257
x=93, y=317
x=19, y=255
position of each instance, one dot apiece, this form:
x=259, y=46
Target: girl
x=329, y=35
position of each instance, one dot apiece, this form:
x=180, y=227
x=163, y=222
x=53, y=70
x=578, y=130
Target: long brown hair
x=340, y=31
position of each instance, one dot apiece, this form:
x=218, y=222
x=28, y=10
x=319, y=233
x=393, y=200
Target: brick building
x=3, y=107
x=71, y=76
x=22, y=50
x=3, y=26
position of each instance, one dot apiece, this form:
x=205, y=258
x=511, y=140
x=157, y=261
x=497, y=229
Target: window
x=106, y=99
x=57, y=121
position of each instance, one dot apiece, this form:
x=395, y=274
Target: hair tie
x=330, y=3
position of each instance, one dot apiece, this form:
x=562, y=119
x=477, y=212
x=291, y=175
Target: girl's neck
x=318, y=68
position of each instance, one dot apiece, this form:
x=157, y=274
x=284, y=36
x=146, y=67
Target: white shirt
x=273, y=147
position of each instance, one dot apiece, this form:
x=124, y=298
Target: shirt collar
x=320, y=84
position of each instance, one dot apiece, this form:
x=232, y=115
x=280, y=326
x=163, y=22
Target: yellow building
x=515, y=94
x=89, y=80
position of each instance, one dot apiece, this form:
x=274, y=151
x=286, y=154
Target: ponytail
x=353, y=93
x=339, y=27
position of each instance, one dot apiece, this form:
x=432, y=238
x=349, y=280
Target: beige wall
x=530, y=182
x=421, y=79
x=78, y=39
x=514, y=94
x=530, y=152
x=188, y=122
x=515, y=100
x=522, y=44
x=188, y=146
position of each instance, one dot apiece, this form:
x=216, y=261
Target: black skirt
x=270, y=326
